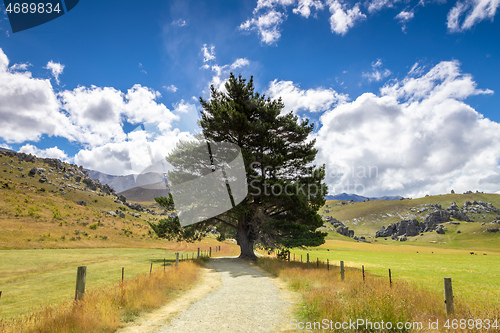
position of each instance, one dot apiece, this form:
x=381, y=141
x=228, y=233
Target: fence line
x=95, y=279
x=461, y=294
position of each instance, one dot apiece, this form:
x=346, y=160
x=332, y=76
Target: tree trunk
x=244, y=241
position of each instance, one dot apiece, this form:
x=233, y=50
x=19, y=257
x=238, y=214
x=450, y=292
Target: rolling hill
x=365, y=218
x=359, y=198
x=146, y=193
x=46, y=203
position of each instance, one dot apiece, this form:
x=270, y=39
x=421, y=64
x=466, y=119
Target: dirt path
x=234, y=296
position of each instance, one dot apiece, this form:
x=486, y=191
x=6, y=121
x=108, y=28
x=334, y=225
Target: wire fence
x=461, y=288
x=21, y=297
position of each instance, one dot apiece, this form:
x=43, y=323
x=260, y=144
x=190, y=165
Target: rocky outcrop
x=340, y=227
x=407, y=228
x=440, y=229
x=457, y=213
x=436, y=217
x=134, y=206
x=345, y=231
x=61, y=171
x=386, y=231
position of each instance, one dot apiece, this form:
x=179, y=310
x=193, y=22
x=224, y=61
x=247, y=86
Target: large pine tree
x=285, y=189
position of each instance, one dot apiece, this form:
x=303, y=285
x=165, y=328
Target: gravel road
x=247, y=299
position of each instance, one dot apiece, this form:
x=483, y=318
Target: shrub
x=56, y=214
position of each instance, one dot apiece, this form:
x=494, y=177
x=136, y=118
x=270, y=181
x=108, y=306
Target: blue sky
x=406, y=88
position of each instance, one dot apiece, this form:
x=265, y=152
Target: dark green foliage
x=285, y=190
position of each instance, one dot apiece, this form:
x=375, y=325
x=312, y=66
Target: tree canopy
x=285, y=188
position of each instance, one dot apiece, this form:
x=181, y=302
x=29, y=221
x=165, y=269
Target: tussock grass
x=104, y=309
x=325, y=296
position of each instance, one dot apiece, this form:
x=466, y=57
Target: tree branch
x=225, y=222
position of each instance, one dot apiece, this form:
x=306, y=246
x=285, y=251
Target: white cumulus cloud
x=417, y=136
x=56, y=69
x=304, y=7
x=208, y=52
x=222, y=72
x=377, y=73
x=53, y=152
x=311, y=100
x=170, y=88
x=343, y=18
x=269, y=15
x=92, y=116
x=29, y=107
x=267, y=26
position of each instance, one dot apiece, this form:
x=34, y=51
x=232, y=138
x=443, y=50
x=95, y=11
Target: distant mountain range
x=146, y=193
x=141, y=188
x=131, y=187
x=5, y=149
x=118, y=183
x=360, y=198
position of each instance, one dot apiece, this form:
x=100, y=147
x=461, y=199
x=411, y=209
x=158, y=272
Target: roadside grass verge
x=474, y=277
x=33, y=278
x=326, y=296
x=102, y=310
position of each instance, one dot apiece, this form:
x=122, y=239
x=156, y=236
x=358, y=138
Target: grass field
x=330, y=304
x=105, y=309
x=30, y=278
x=474, y=277
x=365, y=218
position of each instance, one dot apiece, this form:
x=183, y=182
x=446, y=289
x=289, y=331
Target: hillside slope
x=365, y=218
x=45, y=203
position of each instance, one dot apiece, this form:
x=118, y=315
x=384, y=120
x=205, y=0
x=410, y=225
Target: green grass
x=365, y=218
x=327, y=300
x=31, y=218
x=30, y=278
x=105, y=309
x=474, y=277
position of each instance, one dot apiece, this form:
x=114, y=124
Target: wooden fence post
x=342, y=272
x=123, y=273
x=81, y=275
x=164, y=264
x=210, y=252
x=327, y=264
x=177, y=259
x=151, y=269
x=363, y=269
x=288, y=256
x=198, y=253
x=390, y=278
x=448, y=296
x=308, y=259
x=317, y=262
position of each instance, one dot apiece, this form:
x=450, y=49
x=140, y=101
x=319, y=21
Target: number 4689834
x=32, y=8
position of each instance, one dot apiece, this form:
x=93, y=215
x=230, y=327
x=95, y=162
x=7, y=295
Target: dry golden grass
x=326, y=296
x=103, y=310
